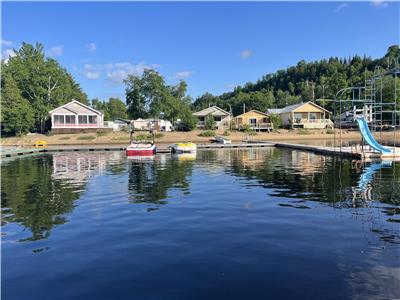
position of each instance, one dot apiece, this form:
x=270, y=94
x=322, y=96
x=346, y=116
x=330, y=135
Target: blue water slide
x=369, y=138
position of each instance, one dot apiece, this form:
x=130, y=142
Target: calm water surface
x=225, y=224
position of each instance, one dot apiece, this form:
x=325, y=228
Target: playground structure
x=372, y=106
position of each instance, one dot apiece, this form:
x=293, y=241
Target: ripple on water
x=246, y=224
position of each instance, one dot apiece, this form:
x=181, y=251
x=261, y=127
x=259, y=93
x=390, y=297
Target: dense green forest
x=303, y=82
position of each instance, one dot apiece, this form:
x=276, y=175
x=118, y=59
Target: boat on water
x=184, y=147
x=141, y=149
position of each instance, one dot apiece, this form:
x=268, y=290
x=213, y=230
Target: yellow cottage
x=253, y=119
x=304, y=115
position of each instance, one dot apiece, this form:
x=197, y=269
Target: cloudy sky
x=213, y=46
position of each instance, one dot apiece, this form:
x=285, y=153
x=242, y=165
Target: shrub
x=246, y=128
x=207, y=133
x=329, y=131
x=276, y=120
x=188, y=121
x=141, y=137
x=210, y=122
x=156, y=135
x=101, y=133
x=302, y=131
x=86, y=137
x=120, y=138
x=226, y=133
x=251, y=132
x=64, y=138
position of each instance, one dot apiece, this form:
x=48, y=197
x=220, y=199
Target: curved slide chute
x=369, y=138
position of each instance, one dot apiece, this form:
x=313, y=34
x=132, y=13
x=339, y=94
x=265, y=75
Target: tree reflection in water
x=298, y=174
x=39, y=192
x=150, y=179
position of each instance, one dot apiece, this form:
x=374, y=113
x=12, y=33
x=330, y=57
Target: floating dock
x=354, y=152
x=19, y=151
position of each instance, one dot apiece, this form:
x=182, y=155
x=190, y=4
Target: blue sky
x=214, y=46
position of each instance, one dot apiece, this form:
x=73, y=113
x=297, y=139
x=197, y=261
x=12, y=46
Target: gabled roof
x=274, y=110
x=213, y=110
x=65, y=106
x=253, y=110
x=293, y=107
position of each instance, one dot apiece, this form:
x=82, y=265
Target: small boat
x=184, y=147
x=40, y=144
x=222, y=140
x=141, y=149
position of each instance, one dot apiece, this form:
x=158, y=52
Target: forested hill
x=303, y=82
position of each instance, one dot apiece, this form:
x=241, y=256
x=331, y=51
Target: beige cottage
x=304, y=115
x=253, y=119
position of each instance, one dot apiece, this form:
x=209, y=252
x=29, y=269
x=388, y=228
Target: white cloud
x=379, y=3
x=115, y=72
x=91, y=71
x=91, y=47
x=7, y=43
x=92, y=75
x=56, y=51
x=341, y=6
x=246, y=53
x=6, y=54
x=119, y=71
x=183, y=74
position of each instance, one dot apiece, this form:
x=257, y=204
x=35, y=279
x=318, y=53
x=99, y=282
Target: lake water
x=224, y=224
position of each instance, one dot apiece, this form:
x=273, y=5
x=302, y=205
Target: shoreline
x=316, y=137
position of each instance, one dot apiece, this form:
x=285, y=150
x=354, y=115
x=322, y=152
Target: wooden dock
x=349, y=152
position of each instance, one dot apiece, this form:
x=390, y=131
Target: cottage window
x=59, y=119
x=69, y=119
x=83, y=119
x=297, y=117
x=217, y=119
x=92, y=119
x=253, y=122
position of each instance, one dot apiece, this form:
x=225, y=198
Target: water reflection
x=259, y=223
x=298, y=174
x=48, y=185
x=150, y=181
x=39, y=192
x=32, y=197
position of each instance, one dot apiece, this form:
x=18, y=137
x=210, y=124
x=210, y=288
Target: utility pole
x=312, y=90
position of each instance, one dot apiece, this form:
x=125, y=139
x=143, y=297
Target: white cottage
x=221, y=117
x=75, y=115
